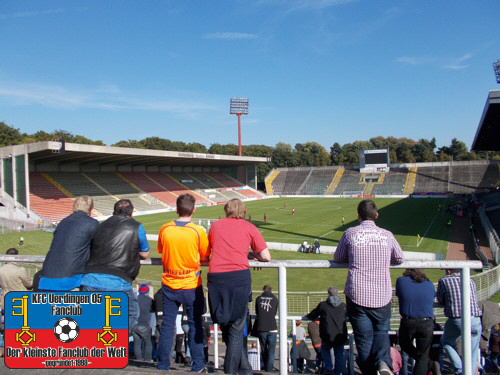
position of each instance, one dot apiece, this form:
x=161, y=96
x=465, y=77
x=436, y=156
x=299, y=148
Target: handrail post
x=216, y=345
x=466, y=323
x=283, y=313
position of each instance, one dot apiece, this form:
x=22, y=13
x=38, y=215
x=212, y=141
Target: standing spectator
x=332, y=330
x=313, y=331
x=300, y=347
x=118, y=245
x=12, y=277
x=494, y=346
x=183, y=245
x=449, y=295
x=70, y=248
x=265, y=327
x=316, y=246
x=416, y=300
x=158, y=309
x=142, y=330
x=229, y=282
x=206, y=339
x=369, y=251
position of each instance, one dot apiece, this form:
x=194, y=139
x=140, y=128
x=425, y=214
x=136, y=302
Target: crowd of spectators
x=90, y=256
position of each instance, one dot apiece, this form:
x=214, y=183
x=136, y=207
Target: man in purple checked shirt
x=369, y=251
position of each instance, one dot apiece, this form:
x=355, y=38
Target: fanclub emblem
x=66, y=329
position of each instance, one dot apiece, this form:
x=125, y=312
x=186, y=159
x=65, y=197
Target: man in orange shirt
x=183, y=246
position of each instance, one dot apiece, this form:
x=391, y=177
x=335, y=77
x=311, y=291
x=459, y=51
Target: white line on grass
x=429, y=227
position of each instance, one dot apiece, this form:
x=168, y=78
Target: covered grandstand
x=40, y=180
x=459, y=177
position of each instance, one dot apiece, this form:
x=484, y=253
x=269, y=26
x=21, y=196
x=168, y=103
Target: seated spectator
x=494, y=346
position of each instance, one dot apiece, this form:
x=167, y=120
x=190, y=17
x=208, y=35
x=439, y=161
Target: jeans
x=268, y=346
x=133, y=305
x=371, y=334
x=142, y=337
x=236, y=360
x=338, y=352
x=452, y=332
x=420, y=329
x=193, y=302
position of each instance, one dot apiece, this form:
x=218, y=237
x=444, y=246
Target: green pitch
x=315, y=218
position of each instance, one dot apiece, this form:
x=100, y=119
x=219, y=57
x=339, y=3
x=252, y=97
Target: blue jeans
x=338, y=352
x=193, y=302
x=133, y=304
x=452, y=332
x=268, y=346
x=371, y=334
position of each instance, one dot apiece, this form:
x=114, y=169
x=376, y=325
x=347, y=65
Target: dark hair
x=267, y=288
x=123, y=207
x=12, y=251
x=416, y=275
x=367, y=210
x=185, y=204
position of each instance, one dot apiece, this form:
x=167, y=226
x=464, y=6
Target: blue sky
x=314, y=70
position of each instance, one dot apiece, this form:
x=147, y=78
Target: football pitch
x=418, y=224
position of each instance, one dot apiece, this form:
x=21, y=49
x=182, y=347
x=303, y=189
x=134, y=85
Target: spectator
x=13, y=278
x=313, y=331
x=183, y=245
x=316, y=246
x=158, y=308
x=449, y=295
x=301, y=349
x=229, y=282
x=494, y=346
x=142, y=330
x=332, y=330
x=206, y=339
x=70, y=248
x=416, y=300
x=397, y=360
x=117, y=247
x=265, y=327
x=253, y=357
x=369, y=251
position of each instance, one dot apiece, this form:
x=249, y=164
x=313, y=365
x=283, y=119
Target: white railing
x=282, y=265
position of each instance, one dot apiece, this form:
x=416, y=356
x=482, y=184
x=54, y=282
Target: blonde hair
x=83, y=203
x=235, y=208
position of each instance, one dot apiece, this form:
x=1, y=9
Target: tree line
x=401, y=150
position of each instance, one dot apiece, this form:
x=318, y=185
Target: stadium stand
x=350, y=182
x=442, y=178
x=46, y=200
x=394, y=182
x=147, y=184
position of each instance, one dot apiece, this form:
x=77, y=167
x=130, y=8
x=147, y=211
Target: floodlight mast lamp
x=496, y=68
x=238, y=107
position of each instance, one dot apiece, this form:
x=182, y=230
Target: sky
x=313, y=70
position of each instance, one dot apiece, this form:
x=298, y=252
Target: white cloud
x=230, y=36
x=30, y=14
x=108, y=97
x=444, y=63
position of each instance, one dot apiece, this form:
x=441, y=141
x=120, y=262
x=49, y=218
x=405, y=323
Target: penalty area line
x=427, y=230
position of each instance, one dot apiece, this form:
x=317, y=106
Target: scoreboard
x=374, y=161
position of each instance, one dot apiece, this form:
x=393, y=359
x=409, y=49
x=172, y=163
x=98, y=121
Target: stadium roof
x=49, y=152
x=488, y=132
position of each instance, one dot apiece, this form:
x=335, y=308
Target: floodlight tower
x=496, y=68
x=238, y=107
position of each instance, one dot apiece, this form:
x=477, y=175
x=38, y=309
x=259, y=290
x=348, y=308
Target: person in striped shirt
x=449, y=295
x=369, y=252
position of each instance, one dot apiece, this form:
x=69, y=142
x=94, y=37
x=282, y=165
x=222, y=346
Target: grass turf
x=315, y=218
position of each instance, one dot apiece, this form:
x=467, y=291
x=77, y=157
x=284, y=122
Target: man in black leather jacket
x=118, y=245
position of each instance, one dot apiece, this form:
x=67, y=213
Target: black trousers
x=420, y=330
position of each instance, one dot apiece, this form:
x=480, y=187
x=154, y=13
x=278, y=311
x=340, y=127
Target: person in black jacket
x=266, y=307
x=118, y=245
x=332, y=330
x=70, y=248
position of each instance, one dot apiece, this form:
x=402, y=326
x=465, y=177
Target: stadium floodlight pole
x=238, y=107
x=496, y=68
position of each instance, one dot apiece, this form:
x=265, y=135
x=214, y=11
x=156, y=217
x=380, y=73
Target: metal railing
x=282, y=265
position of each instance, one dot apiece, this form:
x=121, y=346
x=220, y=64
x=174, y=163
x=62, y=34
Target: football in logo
x=66, y=329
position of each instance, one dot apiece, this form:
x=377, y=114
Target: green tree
x=9, y=135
